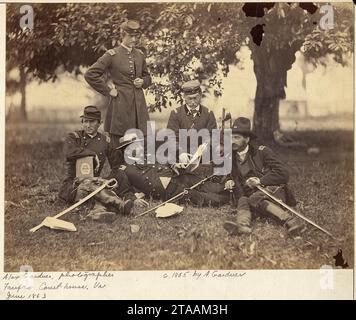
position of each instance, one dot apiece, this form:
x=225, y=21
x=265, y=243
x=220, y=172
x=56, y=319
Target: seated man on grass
x=257, y=165
x=86, y=151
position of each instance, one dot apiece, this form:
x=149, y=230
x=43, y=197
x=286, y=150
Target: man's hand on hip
x=138, y=83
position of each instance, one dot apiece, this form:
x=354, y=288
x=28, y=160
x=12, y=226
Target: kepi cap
x=91, y=112
x=191, y=87
x=131, y=27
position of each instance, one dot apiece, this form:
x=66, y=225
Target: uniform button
x=98, y=138
x=146, y=178
x=153, y=166
x=149, y=183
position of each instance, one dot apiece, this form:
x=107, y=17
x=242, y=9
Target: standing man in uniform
x=192, y=115
x=88, y=142
x=257, y=166
x=127, y=69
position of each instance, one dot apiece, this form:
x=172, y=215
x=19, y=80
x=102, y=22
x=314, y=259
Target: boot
x=292, y=224
x=234, y=229
x=242, y=224
x=114, y=203
x=100, y=214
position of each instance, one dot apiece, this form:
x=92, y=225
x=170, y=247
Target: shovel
x=55, y=223
x=58, y=224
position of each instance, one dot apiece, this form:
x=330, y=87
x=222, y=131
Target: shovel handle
x=34, y=229
x=109, y=183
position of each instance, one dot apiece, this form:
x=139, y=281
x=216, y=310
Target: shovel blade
x=58, y=224
x=168, y=210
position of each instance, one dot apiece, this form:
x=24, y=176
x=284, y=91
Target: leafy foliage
x=181, y=40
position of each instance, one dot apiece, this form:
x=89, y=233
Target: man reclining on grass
x=162, y=182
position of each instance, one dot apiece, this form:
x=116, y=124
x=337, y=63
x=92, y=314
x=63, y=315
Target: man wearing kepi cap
x=86, y=151
x=192, y=115
x=127, y=69
x=257, y=166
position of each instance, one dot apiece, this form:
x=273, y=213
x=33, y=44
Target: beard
x=240, y=147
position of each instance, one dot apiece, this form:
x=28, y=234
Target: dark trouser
x=114, y=140
x=262, y=205
x=208, y=196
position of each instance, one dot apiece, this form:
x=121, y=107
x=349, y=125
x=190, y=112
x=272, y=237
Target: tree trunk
x=266, y=117
x=270, y=67
x=23, y=112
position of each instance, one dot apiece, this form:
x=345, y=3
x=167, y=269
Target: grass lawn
x=34, y=164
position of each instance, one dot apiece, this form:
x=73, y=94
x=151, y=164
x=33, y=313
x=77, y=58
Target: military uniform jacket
x=181, y=118
x=260, y=162
x=128, y=109
x=77, y=145
x=146, y=179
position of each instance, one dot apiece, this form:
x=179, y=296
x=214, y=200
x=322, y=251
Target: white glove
x=184, y=157
x=113, y=92
x=138, y=83
x=229, y=185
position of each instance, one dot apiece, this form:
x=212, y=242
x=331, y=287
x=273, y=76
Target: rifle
x=183, y=193
x=280, y=202
x=225, y=117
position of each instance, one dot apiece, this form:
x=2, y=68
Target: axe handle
x=77, y=204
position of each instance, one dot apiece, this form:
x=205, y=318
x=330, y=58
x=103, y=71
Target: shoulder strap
x=76, y=134
x=112, y=52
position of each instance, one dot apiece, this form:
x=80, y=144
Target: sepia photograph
x=179, y=136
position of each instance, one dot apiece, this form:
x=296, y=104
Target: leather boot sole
x=106, y=216
x=234, y=229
